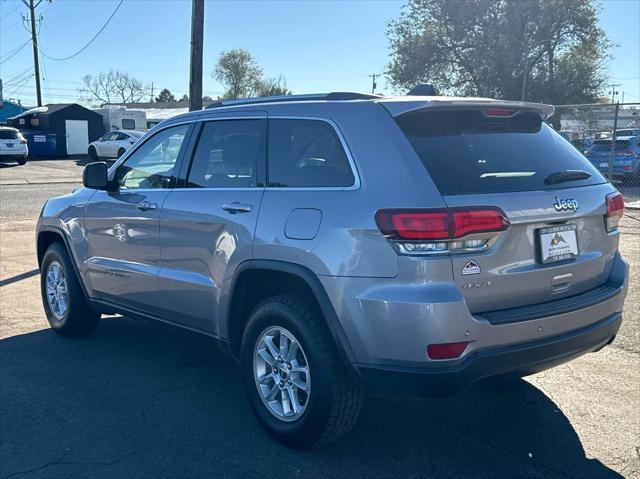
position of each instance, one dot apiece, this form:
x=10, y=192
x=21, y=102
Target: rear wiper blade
x=566, y=175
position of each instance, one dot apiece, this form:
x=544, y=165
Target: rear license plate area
x=558, y=243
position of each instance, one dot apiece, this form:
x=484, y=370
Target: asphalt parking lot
x=141, y=399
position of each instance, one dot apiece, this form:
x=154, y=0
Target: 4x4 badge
x=470, y=268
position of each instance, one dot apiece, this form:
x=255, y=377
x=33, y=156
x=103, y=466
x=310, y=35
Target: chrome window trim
x=354, y=169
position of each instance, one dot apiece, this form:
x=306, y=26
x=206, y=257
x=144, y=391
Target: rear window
x=466, y=152
x=8, y=135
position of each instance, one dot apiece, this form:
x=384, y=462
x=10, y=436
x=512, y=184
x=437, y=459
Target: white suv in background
x=13, y=145
x=113, y=144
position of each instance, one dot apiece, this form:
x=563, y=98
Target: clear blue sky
x=317, y=46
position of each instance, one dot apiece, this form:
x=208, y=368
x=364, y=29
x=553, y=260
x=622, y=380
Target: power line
x=19, y=78
x=15, y=90
x=90, y=41
x=10, y=12
x=15, y=52
x=45, y=79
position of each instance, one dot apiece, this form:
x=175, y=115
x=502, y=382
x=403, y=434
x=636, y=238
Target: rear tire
x=327, y=400
x=22, y=161
x=93, y=154
x=64, y=302
x=121, y=152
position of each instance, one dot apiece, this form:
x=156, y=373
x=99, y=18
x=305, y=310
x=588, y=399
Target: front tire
x=64, y=302
x=295, y=381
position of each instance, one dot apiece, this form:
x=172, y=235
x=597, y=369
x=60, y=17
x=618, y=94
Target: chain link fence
x=609, y=136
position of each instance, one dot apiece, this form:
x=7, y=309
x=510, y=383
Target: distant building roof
x=46, y=109
x=163, y=113
x=154, y=104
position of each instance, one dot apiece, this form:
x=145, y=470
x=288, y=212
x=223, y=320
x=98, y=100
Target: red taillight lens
x=421, y=225
x=446, y=350
x=23, y=141
x=615, y=209
x=477, y=221
x=443, y=224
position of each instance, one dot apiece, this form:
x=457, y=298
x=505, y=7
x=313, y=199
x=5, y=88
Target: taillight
x=23, y=141
x=446, y=350
x=418, y=231
x=615, y=209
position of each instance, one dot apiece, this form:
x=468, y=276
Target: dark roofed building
x=74, y=126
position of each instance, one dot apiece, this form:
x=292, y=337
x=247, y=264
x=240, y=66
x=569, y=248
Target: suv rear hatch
x=10, y=141
x=503, y=157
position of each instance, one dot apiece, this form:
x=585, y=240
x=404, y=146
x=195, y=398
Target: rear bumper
x=518, y=360
x=9, y=156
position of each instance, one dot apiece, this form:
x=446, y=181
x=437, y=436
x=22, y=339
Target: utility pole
x=195, y=71
x=374, y=85
x=613, y=141
x=614, y=92
x=151, y=99
x=34, y=41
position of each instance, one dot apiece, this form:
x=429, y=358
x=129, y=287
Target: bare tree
x=112, y=87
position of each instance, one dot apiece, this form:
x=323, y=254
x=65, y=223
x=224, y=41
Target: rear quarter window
x=306, y=153
x=466, y=152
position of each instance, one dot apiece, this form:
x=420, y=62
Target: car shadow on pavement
x=141, y=399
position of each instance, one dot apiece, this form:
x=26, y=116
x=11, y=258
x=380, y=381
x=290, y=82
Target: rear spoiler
x=397, y=106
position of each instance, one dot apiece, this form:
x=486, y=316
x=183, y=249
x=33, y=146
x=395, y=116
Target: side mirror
x=95, y=176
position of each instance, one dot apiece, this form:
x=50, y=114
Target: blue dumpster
x=40, y=143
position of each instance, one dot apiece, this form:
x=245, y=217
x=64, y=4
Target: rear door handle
x=147, y=205
x=236, y=207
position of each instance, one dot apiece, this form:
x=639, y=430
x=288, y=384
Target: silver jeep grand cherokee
x=346, y=243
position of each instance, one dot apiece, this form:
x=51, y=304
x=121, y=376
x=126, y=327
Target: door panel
x=202, y=244
x=121, y=226
x=207, y=228
x=77, y=136
x=123, y=246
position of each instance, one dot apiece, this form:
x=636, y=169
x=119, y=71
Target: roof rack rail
x=336, y=96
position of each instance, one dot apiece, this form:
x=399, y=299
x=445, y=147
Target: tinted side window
x=152, y=165
x=306, y=153
x=228, y=154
